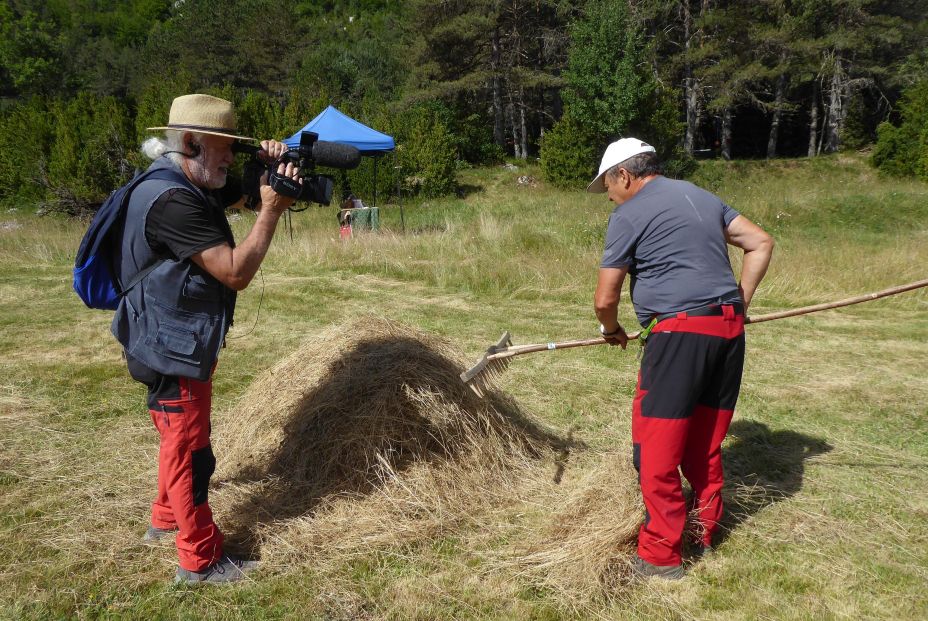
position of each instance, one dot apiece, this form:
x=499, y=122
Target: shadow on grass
x=762, y=467
x=466, y=189
x=385, y=405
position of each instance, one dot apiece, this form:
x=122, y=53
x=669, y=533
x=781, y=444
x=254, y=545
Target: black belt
x=712, y=310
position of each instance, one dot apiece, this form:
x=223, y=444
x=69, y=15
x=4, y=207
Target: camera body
x=311, y=151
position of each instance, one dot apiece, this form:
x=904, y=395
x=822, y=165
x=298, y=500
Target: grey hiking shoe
x=229, y=568
x=155, y=534
x=643, y=569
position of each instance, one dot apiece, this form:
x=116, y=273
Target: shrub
x=25, y=136
x=154, y=102
x=889, y=154
x=298, y=111
x=89, y=155
x=430, y=156
x=569, y=155
x=259, y=116
x=425, y=152
x=903, y=150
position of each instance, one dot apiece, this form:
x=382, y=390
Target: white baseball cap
x=616, y=153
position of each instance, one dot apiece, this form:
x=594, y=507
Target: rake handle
x=517, y=350
x=846, y=302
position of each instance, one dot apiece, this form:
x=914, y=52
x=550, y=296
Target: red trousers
x=687, y=389
x=180, y=410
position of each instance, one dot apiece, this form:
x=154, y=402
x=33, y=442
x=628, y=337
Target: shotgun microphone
x=335, y=155
x=321, y=152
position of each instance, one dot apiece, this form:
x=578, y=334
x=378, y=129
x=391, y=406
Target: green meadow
x=827, y=461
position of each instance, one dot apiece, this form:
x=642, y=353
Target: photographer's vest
x=174, y=320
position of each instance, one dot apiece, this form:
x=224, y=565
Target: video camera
x=314, y=188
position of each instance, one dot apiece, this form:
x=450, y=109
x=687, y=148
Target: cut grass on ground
x=827, y=460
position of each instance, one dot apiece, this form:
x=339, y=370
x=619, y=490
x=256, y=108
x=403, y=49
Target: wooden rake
x=491, y=365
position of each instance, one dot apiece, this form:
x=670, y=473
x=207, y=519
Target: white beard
x=209, y=179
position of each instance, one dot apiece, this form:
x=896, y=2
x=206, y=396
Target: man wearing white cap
x=181, y=268
x=672, y=238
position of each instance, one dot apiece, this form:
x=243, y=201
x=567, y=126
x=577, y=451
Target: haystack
x=366, y=439
x=367, y=436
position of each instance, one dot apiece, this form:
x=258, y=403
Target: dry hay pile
x=584, y=552
x=366, y=438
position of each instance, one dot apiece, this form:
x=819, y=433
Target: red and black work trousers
x=687, y=389
x=180, y=410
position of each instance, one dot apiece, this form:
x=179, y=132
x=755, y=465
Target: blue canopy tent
x=335, y=126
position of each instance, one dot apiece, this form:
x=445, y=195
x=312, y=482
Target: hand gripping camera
x=314, y=188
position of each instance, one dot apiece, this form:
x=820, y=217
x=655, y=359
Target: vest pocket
x=198, y=287
x=176, y=341
x=179, y=335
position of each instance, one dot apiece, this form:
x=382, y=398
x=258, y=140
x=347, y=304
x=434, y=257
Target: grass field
x=827, y=461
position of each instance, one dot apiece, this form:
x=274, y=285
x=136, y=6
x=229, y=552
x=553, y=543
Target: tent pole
x=375, y=180
x=399, y=193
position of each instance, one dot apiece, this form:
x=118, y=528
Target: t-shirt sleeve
x=621, y=240
x=728, y=214
x=180, y=226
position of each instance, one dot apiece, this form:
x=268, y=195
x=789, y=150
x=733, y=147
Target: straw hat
x=203, y=114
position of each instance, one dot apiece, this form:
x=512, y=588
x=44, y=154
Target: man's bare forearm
x=753, y=268
x=608, y=316
x=236, y=267
x=606, y=298
x=247, y=257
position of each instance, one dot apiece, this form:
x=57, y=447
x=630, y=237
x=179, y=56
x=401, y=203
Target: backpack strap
x=140, y=276
x=161, y=174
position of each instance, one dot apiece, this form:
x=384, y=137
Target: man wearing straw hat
x=179, y=248
x=672, y=238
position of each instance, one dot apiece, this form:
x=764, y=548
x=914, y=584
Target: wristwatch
x=602, y=330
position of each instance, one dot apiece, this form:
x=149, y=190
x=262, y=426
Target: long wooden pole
x=855, y=300
x=517, y=350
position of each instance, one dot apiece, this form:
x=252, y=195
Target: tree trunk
x=523, y=130
x=689, y=83
x=813, y=120
x=498, y=120
x=726, y=134
x=836, y=109
x=692, y=115
x=513, y=130
x=777, y=113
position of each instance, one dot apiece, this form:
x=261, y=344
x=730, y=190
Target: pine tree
x=855, y=43
x=499, y=56
x=609, y=93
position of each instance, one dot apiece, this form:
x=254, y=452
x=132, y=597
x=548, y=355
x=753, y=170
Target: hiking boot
x=643, y=569
x=155, y=534
x=229, y=568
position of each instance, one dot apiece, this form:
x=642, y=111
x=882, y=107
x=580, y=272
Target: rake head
x=483, y=375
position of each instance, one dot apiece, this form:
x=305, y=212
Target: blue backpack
x=96, y=279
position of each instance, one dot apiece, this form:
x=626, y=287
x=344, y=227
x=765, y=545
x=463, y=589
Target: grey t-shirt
x=671, y=235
